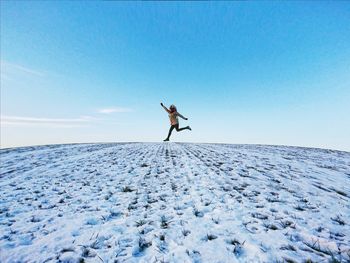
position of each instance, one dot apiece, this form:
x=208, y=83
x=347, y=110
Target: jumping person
x=174, y=121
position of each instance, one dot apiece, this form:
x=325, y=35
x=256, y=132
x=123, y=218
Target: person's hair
x=173, y=108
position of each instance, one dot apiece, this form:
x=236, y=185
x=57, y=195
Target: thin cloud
x=53, y=122
x=114, y=110
x=9, y=68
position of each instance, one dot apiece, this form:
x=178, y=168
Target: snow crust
x=174, y=202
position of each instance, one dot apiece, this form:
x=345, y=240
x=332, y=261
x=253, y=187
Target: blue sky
x=242, y=72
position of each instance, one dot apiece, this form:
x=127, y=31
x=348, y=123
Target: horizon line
x=125, y=142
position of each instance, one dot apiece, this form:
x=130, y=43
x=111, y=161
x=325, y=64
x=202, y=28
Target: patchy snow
x=174, y=202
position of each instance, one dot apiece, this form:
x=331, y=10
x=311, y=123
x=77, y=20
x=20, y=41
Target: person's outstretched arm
x=178, y=114
x=165, y=108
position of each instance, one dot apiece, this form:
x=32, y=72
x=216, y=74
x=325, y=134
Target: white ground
x=174, y=202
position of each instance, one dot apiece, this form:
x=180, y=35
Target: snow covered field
x=174, y=202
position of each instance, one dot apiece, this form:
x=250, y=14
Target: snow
x=174, y=202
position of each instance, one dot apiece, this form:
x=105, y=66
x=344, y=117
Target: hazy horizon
x=275, y=73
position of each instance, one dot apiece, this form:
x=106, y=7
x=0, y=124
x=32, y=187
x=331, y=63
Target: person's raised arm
x=165, y=108
x=178, y=114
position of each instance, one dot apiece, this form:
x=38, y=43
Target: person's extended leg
x=170, y=131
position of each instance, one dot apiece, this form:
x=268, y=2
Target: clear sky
x=242, y=72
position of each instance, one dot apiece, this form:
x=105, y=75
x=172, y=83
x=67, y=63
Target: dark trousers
x=176, y=126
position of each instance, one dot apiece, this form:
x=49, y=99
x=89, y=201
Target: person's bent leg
x=181, y=129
